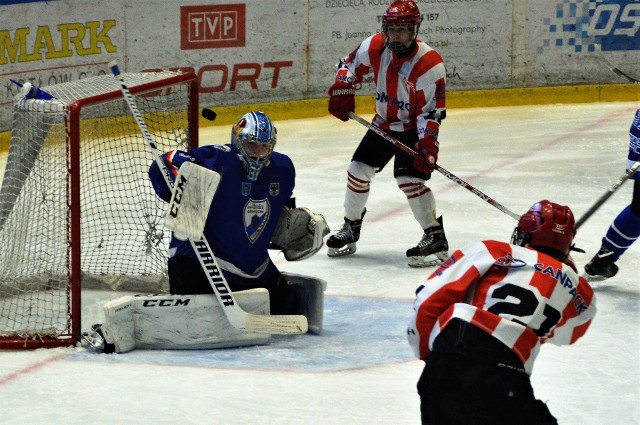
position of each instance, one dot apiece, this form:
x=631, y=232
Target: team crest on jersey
x=246, y=188
x=410, y=86
x=507, y=261
x=274, y=189
x=223, y=148
x=256, y=217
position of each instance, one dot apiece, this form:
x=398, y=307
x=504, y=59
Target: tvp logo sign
x=215, y=26
x=587, y=26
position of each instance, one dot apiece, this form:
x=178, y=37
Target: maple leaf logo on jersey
x=256, y=217
x=508, y=261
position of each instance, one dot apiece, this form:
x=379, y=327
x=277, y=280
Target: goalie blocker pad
x=190, y=202
x=177, y=322
x=299, y=233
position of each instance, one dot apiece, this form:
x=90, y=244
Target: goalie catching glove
x=299, y=233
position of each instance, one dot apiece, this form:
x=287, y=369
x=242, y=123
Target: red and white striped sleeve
x=520, y=296
x=447, y=286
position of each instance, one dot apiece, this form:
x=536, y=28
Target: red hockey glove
x=427, y=155
x=342, y=100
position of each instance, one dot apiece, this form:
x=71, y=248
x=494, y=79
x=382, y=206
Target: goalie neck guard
x=255, y=137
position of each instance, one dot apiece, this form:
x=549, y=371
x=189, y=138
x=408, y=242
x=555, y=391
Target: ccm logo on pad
x=215, y=26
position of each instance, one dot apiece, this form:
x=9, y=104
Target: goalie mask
x=400, y=24
x=547, y=227
x=255, y=138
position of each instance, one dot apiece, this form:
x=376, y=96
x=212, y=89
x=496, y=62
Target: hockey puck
x=209, y=114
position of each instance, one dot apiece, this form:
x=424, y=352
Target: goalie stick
x=596, y=205
x=240, y=319
x=444, y=172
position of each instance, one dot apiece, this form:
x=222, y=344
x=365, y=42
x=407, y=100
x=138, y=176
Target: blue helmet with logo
x=255, y=138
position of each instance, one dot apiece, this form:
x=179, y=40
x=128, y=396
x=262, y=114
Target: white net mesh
x=123, y=243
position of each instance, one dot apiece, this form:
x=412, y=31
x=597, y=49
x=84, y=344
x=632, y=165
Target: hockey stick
x=444, y=172
x=278, y=324
x=617, y=71
x=630, y=172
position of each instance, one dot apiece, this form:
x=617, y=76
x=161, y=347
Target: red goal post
x=77, y=209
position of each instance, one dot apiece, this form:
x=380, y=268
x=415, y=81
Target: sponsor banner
x=256, y=51
x=470, y=35
x=47, y=43
x=566, y=39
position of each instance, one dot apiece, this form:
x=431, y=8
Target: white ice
x=361, y=371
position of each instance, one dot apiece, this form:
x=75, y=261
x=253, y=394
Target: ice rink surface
x=361, y=370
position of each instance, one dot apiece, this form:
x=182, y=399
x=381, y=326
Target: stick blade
x=276, y=324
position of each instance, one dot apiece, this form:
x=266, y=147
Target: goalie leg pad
x=118, y=327
x=300, y=233
x=310, y=294
x=176, y=322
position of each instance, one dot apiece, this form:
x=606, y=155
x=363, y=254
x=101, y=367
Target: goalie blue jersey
x=243, y=214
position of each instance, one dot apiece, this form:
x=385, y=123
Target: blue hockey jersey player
x=624, y=230
x=256, y=183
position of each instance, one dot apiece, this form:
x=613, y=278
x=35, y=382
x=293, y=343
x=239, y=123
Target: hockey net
x=77, y=209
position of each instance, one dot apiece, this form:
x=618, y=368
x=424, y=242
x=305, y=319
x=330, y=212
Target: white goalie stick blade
x=276, y=324
x=190, y=201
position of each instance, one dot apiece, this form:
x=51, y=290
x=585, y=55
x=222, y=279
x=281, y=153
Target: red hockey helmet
x=548, y=227
x=401, y=13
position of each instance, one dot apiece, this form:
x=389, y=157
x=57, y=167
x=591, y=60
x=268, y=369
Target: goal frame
x=74, y=246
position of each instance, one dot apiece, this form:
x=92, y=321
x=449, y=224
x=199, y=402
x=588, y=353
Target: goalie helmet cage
x=77, y=208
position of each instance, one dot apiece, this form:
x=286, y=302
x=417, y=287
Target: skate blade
x=594, y=278
x=348, y=249
x=427, y=260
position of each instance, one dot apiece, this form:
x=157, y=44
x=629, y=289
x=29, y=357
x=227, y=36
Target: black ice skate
x=602, y=264
x=344, y=241
x=432, y=249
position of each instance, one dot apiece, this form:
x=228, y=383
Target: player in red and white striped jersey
x=481, y=318
x=410, y=104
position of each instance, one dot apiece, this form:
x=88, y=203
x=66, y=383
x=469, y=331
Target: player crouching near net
x=252, y=211
x=480, y=319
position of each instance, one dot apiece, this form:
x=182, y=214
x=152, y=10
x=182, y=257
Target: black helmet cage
x=396, y=46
